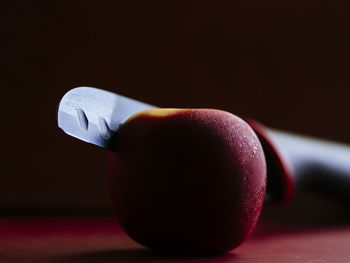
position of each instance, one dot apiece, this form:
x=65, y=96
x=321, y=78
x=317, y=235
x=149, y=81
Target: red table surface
x=299, y=233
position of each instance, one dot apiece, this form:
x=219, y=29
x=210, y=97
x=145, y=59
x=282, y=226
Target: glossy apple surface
x=187, y=179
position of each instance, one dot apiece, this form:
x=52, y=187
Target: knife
x=94, y=115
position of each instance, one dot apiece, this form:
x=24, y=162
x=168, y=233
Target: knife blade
x=94, y=115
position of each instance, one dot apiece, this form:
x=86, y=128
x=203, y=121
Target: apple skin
x=187, y=179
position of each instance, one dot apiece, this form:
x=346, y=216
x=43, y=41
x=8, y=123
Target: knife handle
x=295, y=162
x=318, y=164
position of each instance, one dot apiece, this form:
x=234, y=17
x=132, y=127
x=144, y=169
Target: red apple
x=187, y=179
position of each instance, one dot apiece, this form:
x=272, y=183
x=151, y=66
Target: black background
x=284, y=63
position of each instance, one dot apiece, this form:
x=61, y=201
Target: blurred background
x=284, y=63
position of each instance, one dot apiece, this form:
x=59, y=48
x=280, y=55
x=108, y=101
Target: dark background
x=284, y=63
